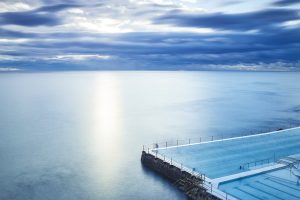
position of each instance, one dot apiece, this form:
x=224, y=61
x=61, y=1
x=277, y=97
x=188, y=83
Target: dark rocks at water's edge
x=186, y=182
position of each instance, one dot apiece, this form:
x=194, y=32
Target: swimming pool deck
x=220, y=161
x=223, y=179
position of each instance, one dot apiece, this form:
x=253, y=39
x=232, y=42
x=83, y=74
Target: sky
x=256, y=35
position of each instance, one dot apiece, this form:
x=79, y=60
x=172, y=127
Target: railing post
x=171, y=161
x=200, y=139
x=166, y=144
x=177, y=142
x=212, y=138
x=143, y=147
x=148, y=149
x=189, y=141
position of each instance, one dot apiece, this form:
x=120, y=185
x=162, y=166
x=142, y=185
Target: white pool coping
x=227, y=139
x=252, y=172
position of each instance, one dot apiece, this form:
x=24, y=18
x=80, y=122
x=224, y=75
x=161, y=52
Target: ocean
x=79, y=135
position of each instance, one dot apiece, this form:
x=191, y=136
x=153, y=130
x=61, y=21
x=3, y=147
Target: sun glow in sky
x=150, y=34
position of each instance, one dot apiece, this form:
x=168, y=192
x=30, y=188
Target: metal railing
x=206, y=184
x=209, y=138
x=177, y=164
x=182, y=142
x=215, y=191
x=258, y=163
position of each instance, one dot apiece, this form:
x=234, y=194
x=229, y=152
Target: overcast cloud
x=150, y=34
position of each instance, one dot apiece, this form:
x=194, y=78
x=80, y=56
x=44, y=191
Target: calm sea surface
x=79, y=135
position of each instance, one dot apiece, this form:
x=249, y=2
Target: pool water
x=280, y=184
x=222, y=158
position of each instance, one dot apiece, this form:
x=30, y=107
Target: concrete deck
x=253, y=172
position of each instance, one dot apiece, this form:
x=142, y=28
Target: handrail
x=208, y=138
x=257, y=163
x=207, y=185
x=212, y=189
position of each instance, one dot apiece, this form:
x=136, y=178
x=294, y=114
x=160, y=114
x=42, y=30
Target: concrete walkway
x=217, y=181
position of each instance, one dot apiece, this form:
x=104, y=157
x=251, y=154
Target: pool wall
x=194, y=185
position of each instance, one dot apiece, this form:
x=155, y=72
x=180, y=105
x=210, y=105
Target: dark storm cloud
x=175, y=43
x=285, y=2
x=177, y=48
x=28, y=19
x=274, y=41
x=15, y=34
x=56, y=8
x=240, y=21
x=43, y=16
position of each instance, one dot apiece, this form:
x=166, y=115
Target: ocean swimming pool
x=279, y=184
x=223, y=164
x=224, y=157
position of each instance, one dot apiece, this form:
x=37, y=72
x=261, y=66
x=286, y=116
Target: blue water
x=79, y=135
x=279, y=184
x=223, y=158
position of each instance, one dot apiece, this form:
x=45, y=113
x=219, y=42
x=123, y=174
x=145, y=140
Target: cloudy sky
x=150, y=34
